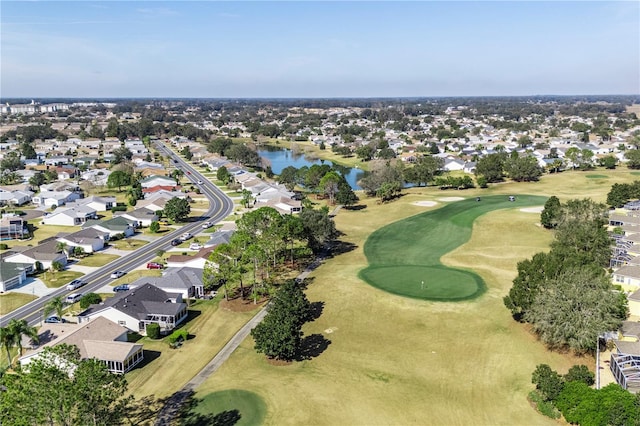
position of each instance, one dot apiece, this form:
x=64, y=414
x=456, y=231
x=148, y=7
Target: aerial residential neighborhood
x=319, y=213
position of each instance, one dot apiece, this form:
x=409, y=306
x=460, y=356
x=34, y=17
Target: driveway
x=35, y=287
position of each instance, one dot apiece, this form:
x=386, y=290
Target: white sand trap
x=447, y=199
x=536, y=209
x=424, y=203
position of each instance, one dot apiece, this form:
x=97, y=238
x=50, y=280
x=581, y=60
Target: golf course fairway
x=404, y=257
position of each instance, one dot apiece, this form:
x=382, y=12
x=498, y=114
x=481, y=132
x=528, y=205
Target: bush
x=116, y=237
x=546, y=408
x=119, y=208
x=153, y=331
x=178, y=335
x=89, y=299
x=3, y=246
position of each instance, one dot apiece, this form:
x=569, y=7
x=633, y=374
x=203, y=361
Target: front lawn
x=9, y=302
x=99, y=259
x=128, y=244
x=58, y=279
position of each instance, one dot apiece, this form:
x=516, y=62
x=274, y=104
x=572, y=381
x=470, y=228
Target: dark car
x=175, y=161
x=176, y=242
x=121, y=287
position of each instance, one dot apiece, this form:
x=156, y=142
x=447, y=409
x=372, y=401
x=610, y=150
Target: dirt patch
x=241, y=305
x=424, y=203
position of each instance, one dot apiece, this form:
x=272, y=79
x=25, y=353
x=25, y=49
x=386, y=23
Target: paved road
x=220, y=206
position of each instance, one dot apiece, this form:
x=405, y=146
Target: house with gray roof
x=114, y=226
x=142, y=216
x=13, y=227
x=139, y=307
x=100, y=338
x=72, y=216
x=55, y=198
x=12, y=275
x=90, y=239
x=100, y=204
x=45, y=254
x=184, y=280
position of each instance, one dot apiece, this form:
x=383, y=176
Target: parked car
x=54, y=320
x=176, y=242
x=73, y=298
x=154, y=265
x=207, y=224
x=200, y=182
x=117, y=274
x=195, y=246
x=75, y=284
x=164, y=222
x=121, y=287
x=185, y=236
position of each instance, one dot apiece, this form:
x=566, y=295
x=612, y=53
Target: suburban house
x=185, y=281
x=222, y=236
x=12, y=275
x=139, y=307
x=99, y=204
x=198, y=260
x=55, y=198
x=142, y=216
x=155, y=180
x=114, y=226
x=627, y=275
x=100, y=338
x=70, y=216
x=45, y=254
x=90, y=239
x=15, y=198
x=13, y=227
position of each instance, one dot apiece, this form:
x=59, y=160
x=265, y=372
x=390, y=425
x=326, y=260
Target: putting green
x=404, y=257
x=229, y=407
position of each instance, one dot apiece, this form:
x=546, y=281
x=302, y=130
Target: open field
x=167, y=370
x=230, y=407
x=396, y=360
x=404, y=256
x=128, y=243
x=12, y=301
x=97, y=259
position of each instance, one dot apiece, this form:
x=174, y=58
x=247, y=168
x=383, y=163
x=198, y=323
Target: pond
x=281, y=158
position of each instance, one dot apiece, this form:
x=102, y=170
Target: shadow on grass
x=357, y=207
x=316, y=310
x=189, y=417
x=149, y=357
x=312, y=346
x=341, y=247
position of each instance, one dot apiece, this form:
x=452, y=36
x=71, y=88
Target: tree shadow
x=312, y=346
x=356, y=207
x=316, y=310
x=341, y=247
x=188, y=416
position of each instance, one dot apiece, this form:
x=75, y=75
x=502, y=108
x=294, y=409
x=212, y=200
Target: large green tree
x=177, y=209
x=551, y=213
x=280, y=333
x=118, y=179
x=424, y=170
x=523, y=168
x=491, y=167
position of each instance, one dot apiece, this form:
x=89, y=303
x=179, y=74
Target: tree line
x=566, y=294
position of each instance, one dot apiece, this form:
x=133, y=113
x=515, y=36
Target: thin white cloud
x=155, y=12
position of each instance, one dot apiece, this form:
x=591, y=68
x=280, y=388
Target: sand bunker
x=536, y=209
x=424, y=203
x=447, y=199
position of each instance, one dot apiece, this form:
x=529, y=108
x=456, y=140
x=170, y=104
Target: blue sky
x=318, y=49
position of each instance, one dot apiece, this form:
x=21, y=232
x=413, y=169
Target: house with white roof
x=70, y=216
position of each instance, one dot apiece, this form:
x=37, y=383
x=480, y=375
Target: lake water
x=281, y=158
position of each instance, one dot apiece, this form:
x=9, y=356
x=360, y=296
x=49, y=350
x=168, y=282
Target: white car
x=200, y=182
x=117, y=274
x=185, y=236
x=207, y=225
x=195, y=246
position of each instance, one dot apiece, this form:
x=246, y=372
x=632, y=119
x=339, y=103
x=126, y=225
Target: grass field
x=404, y=257
x=397, y=360
x=136, y=274
x=58, y=279
x=128, y=244
x=230, y=407
x=97, y=259
x=12, y=301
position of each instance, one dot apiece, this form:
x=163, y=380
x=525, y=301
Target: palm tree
x=61, y=247
x=21, y=328
x=7, y=339
x=55, y=305
x=177, y=174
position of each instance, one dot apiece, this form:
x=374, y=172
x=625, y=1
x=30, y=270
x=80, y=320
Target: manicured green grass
x=58, y=279
x=12, y=301
x=98, y=259
x=128, y=244
x=596, y=176
x=404, y=257
x=134, y=275
x=237, y=407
